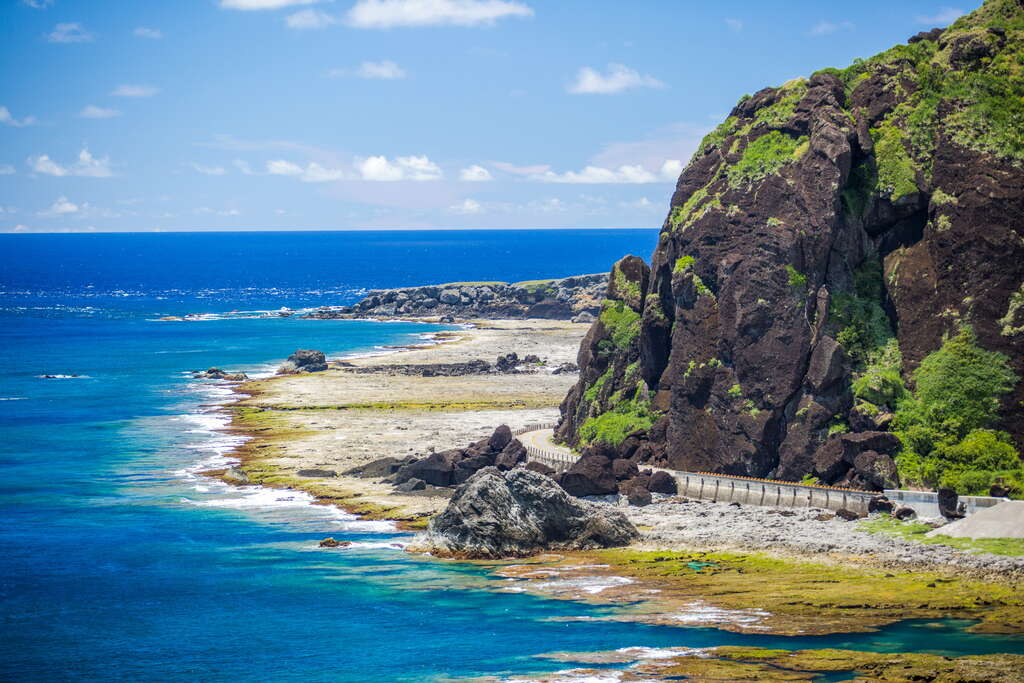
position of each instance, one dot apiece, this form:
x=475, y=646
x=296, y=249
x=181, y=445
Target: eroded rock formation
x=822, y=218
x=519, y=513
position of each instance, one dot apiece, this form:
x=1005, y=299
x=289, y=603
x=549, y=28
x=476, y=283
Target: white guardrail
x=728, y=488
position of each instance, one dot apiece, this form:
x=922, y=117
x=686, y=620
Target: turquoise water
x=117, y=562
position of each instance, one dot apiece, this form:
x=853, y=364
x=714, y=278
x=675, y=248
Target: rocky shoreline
x=577, y=297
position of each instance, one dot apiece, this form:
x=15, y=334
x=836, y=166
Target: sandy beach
x=349, y=416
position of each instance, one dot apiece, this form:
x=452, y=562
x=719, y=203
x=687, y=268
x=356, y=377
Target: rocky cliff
x=563, y=298
x=829, y=231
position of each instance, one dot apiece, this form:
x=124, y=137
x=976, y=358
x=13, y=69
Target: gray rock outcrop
x=303, y=360
x=520, y=513
x=561, y=299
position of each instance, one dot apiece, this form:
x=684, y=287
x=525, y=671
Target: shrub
x=881, y=383
x=896, y=171
x=796, y=279
x=944, y=427
x=613, y=426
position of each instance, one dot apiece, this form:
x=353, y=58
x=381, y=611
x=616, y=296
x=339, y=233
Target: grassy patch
x=621, y=321
x=915, y=531
x=763, y=157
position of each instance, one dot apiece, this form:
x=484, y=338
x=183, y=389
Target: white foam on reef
x=702, y=613
x=13, y=398
x=640, y=653
x=592, y=585
x=63, y=377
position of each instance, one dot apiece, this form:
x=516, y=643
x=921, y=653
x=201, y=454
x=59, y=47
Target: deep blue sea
x=117, y=562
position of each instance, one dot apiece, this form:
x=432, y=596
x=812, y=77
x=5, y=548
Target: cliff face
x=820, y=220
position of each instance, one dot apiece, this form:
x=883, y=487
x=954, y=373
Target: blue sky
x=306, y=114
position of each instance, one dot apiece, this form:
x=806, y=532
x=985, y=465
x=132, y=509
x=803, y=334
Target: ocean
x=119, y=562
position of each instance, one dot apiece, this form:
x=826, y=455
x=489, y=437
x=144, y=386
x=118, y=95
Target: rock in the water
x=304, y=360
x=520, y=513
x=329, y=542
x=217, y=373
x=317, y=473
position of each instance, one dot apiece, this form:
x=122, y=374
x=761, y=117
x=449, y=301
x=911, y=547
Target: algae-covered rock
x=519, y=513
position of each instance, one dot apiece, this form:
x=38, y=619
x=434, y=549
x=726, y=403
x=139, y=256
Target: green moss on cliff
x=621, y=321
x=624, y=418
x=897, y=176
x=1013, y=322
x=763, y=157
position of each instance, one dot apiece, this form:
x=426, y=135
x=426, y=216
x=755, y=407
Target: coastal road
x=543, y=439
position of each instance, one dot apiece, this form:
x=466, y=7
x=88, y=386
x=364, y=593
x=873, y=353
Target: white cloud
x=393, y=13
x=6, y=169
x=263, y=4
x=208, y=170
x=671, y=169
x=618, y=79
x=734, y=24
x=824, y=28
x=552, y=205
x=86, y=166
x=643, y=204
x=146, y=32
x=386, y=70
x=466, y=207
x=19, y=228
x=61, y=207
x=519, y=170
x=403, y=168
x=475, y=174
x=7, y=119
x=626, y=174
x=69, y=33
x=309, y=19
x=91, y=111
x=282, y=167
x=946, y=15
x=312, y=173
x=129, y=90
x=676, y=141
x=38, y=4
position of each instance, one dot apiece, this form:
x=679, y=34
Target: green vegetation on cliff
x=621, y=321
x=946, y=424
x=625, y=417
x=763, y=157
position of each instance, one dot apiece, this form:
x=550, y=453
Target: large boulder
x=591, y=475
x=304, y=360
x=520, y=513
x=435, y=469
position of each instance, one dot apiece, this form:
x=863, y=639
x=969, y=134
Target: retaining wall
x=926, y=503
x=726, y=489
